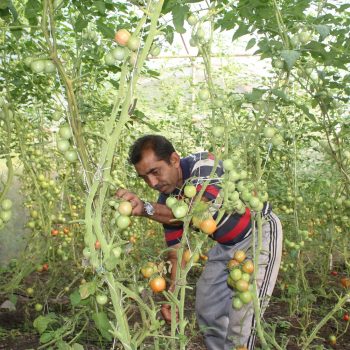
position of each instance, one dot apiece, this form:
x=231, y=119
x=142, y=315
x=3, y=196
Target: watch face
x=149, y=208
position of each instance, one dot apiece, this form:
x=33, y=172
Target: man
x=158, y=164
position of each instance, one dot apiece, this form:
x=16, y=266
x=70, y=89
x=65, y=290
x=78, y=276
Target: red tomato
x=334, y=273
x=346, y=317
x=122, y=37
x=45, y=267
x=54, y=232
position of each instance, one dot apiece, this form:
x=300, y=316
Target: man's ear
x=175, y=159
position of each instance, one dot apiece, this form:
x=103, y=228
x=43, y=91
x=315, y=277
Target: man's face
x=158, y=174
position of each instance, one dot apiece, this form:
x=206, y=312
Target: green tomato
x=277, y=140
x=117, y=252
x=180, y=211
x=101, y=299
x=65, y=132
x=71, y=155
x=218, y=131
x=109, y=59
x=170, y=201
x=246, y=297
x=6, y=204
x=118, y=53
x=245, y=277
x=30, y=291
x=190, y=191
x=49, y=66
x=38, y=307
x=237, y=303
x=304, y=37
x=155, y=51
x=56, y=116
x=28, y=61
x=204, y=94
x=236, y=274
x=123, y=222
x=133, y=58
x=269, y=132
x=133, y=43
x=5, y=215
x=228, y=164
x=200, y=34
x=63, y=145
x=192, y=20
x=37, y=66
x=86, y=253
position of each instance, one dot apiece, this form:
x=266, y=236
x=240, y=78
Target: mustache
x=158, y=187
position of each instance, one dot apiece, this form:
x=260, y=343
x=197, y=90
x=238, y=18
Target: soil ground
x=16, y=332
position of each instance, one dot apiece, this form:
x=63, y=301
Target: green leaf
x=32, y=10
x=323, y=30
x=251, y=43
x=62, y=345
x=4, y=4
x=41, y=322
x=101, y=7
x=169, y=34
x=47, y=336
x=281, y=94
x=77, y=346
x=80, y=24
x=102, y=324
x=87, y=289
x=75, y=298
x=243, y=29
x=255, y=95
x=179, y=13
x=111, y=263
x=290, y=57
x=106, y=30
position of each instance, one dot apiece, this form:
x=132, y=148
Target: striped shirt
x=233, y=227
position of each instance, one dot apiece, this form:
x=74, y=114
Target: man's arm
x=162, y=213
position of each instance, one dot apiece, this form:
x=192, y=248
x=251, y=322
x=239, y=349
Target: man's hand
x=136, y=202
x=166, y=313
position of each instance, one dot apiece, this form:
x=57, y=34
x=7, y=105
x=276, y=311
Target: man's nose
x=153, y=182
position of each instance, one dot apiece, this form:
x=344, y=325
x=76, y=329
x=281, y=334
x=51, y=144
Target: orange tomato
x=248, y=266
x=132, y=239
x=97, y=245
x=345, y=282
x=187, y=255
x=122, y=37
x=232, y=263
x=239, y=255
x=148, y=269
x=208, y=226
x=45, y=267
x=66, y=230
x=157, y=284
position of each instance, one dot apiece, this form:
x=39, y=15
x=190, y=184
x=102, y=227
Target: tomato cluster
x=240, y=271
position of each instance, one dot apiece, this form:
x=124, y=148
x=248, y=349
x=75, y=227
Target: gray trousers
x=223, y=327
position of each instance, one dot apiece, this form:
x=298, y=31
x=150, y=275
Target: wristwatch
x=149, y=208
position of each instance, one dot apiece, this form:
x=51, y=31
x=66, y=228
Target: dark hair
x=161, y=147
